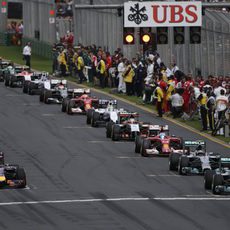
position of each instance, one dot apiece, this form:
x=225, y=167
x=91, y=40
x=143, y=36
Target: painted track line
x=213, y=198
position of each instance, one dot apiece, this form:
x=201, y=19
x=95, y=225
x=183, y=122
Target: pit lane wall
x=212, y=56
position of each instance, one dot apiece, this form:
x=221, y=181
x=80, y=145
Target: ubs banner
x=162, y=14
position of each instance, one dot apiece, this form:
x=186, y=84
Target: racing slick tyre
x=183, y=162
x=109, y=126
x=30, y=90
x=217, y=180
x=89, y=113
x=64, y=105
x=115, y=135
x=208, y=176
x=138, y=143
x=21, y=175
x=41, y=97
x=94, y=119
x=146, y=144
x=47, y=95
x=25, y=88
x=173, y=161
x=6, y=82
x=70, y=106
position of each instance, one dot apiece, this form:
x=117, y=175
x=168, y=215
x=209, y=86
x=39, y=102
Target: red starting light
x=4, y=3
x=52, y=12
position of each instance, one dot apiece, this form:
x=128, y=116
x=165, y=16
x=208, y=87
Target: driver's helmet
x=84, y=96
x=132, y=120
x=162, y=136
x=200, y=153
x=199, y=148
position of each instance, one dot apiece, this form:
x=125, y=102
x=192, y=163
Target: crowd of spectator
x=64, y=8
x=15, y=29
x=149, y=79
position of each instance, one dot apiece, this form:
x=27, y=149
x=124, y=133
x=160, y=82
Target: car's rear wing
x=78, y=92
x=159, y=127
x=103, y=103
x=128, y=114
x=189, y=143
x=225, y=162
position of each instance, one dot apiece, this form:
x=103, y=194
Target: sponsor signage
x=162, y=14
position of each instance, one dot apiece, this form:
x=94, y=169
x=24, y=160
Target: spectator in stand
x=211, y=102
x=121, y=69
x=62, y=59
x=221, y=103
x=93, y=71
x=177, y=102
x=139, y=79
x=101, y=68
x=160, y=96
x=203, y=110
x=128, y=76
x=27, y=54
x=80, y=66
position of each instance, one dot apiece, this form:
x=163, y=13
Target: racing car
x=127, y=127
x=194, y=159
x=218, y=180
x=32, y=84
x=53, y=91
x=150, y=131
x=3, y=69
x=12, y=176
x=18, y=77
x=106, y=112
x=73, y=93
x=160, y=145
x=80, y=105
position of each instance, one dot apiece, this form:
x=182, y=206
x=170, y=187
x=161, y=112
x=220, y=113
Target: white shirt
x=218, y=89
x=150, y=70
x=174, y=69
x=221, y=103
x=121, y=68
x=196, y=92
x=177, y=100
x=26, y=50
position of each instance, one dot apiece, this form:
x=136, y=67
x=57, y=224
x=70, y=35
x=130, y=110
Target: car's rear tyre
x=94, y=119
x=183, y=162
x=138, y=143
x=64, y=105
x=173, y=161
x=47, y=95
x=21, y=175
x=89, y=113
x=69, y=107
x=217, y=180
x=208, y=177
x=115, y=135
x=146, y=144
x=41, y=97
x=109, y=126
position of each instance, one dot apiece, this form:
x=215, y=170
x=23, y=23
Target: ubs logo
x=138, y=14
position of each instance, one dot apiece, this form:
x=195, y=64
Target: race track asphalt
x=78, y=179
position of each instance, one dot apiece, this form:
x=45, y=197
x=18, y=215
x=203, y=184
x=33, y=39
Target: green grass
x=14, y=53
x=43, y=64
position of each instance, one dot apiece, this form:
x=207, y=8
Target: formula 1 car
x=106, y=112
x=150, y=131
x=160, y=145
x=12, y=176
x=127, y=127
x=218, y=180
x=195, y=159
x=53, y=91
x=80, y=105
x=3, y=69
x=73, y=93
x=17, y=79
x=32, y=84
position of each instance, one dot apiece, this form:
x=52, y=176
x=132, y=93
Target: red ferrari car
x=160, y=145
x=81, y=104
